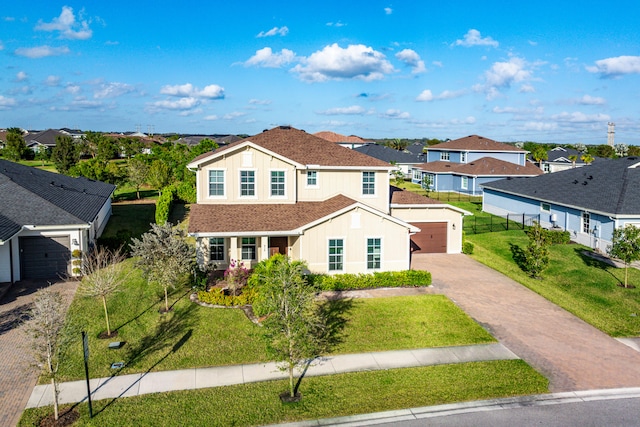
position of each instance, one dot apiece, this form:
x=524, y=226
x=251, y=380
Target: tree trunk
x=626, y=273
x=106, y=314
x=55, y=398
x=291, y=391
x=166, y=300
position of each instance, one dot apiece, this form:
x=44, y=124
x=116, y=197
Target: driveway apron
x=17, y=378
x=572, y=354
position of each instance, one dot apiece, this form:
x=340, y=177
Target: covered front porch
x=219, y=251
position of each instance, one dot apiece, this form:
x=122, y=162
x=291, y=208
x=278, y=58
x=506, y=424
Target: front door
x=278, y=245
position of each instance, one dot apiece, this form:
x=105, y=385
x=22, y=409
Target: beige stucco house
x=287, y=191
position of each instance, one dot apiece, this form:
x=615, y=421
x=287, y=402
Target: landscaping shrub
x=467, y=248
x=387, y=279
x=186, y=191
x=163, y=205
x=557, y=237
x=216, y=296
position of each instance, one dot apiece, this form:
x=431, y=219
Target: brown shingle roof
x=261, y=217
x=404, y=197
x=485, y=166
x=475, y=143
x=336, y=137
x=303, y=148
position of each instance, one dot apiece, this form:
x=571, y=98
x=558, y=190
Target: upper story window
x=277, y=183
x=463, y=157
x=247, y=183
x=312, y=178
x=216, y=182
x=368, y=183
x=444, y=155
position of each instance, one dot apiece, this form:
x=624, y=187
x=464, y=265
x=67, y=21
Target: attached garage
x=432, y=238
x=44, y=257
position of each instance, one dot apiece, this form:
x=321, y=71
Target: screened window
x=216, y=183
x=368, y=183
x=373, y=253
x=248, y=248
x=336, y=254
x=277, y=183
x=247, y=183
x=444, y=155
x=216, y=248
x=586, y=222
x=312, y=178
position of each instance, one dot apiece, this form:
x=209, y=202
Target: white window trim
x=464, y=182
x=255, y=184
x=306, y=179
x=375, y=185
x=224, y=250
x=224, y=184
x=344, y=252
x=542, y=209
x=284, y=196
x=463, y=156
x=255, y=248
x=366, y=252
x=582, y=214
x=444, y=154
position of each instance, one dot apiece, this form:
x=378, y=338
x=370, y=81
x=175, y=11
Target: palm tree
x=573, y=158
x=587, y=158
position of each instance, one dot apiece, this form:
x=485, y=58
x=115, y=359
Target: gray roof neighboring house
x=389, y=155
x=46, y=137
x=32, y=196
x=610, y=187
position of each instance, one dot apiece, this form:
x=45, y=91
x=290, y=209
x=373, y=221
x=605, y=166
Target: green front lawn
x=323, y=397
x=195, y=336
x=131, y=220
x=580, y=284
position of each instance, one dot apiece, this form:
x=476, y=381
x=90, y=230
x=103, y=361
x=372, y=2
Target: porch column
x=264, y=248
x=233, y=248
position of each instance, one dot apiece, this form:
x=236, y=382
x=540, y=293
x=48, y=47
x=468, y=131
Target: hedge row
x=558, y=237
x=163, y=205
x=216, y=296
x=387, y=279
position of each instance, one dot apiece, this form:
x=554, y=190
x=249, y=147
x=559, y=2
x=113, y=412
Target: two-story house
x=290, y=192
x=462, y=165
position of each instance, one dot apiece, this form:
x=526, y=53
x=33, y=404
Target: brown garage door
x=431, y=239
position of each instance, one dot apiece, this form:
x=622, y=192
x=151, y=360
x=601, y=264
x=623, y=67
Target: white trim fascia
x=56, y=227
x=227, y=150
x=255, y=233
x=476, y=150
x=435, y=206
x=355, y=168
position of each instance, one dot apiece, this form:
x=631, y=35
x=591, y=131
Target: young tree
x=426, y=183
x=15, y=147
x=137, y=170
x=159, y=175
x=164, y=256
x=536, y=255
x=103, y=272
x=45, y=338
x=574, y=159
x=43, y=154
x=65, y=154
x=538, y=154
x=295, y=326
x=625, y=245
x=587, y=158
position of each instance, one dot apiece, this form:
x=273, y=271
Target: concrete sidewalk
x=196, y=378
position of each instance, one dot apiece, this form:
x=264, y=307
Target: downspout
x=11, y=260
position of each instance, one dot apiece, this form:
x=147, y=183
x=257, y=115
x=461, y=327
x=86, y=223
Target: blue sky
x=511, y=71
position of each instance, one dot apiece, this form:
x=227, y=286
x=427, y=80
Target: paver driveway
x=572, y=354
x=17, y=380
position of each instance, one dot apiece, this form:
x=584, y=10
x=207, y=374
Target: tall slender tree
x=65, y=154
x=625, y=245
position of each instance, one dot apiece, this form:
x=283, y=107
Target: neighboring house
x=463, y=165
x=404, y=160
x=44, y=217
x=589, y=201
x=192, y=140
x=73, y=133
x=43, y=140
x=558, y=160
x=351, y=141
x=286, y=191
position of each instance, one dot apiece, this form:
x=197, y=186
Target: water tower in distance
x=611, y=130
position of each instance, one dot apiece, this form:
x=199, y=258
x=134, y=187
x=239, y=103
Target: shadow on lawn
x=518, y=256
x=592, y=261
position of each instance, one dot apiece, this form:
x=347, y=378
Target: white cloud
x=6, y=103
x=113, y=90
x=388, y=11
x=502, y=75
x=514, y=110
x=259, y=101
x=52, y=81
x=527, y=88
x=1, y=45
x=616, y=67
x=233, y=115
x=179, y=104
x=211, y=117
x=188, y=90
x=41, y=51
x=426, y=95
x=67, y=26
x=579, y=117
x=21, y=76
x=411, y=58
x=539, y=126
x=354, y=109
x=266, y=58
x=335, y=63
x=275, y=31
x=590, y=100
x=335, y=24
x=73, y=89
x=437, y=64
x=473, y=38
x=395, y=114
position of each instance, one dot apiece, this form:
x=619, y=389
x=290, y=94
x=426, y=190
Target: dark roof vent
x=590, y=177
x=575, y=181
x=285, y=127
x=585, y=183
